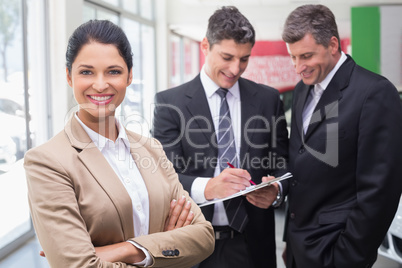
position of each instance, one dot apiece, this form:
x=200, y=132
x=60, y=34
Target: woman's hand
x=120, y=252
x=179, y=214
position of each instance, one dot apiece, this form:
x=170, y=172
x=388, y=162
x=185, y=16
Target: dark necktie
x=235, y=208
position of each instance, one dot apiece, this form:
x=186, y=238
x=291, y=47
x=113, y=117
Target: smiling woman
x=99, y=84
x=88, y=186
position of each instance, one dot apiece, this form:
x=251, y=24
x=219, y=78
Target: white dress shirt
x=119, y=157
x=214, y=100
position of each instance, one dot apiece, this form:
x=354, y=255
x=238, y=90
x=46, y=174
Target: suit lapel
x=250, y=106
x=298, y=113
x=328, y=101
x=103, y=173
x=332, y=95
x=197, y=105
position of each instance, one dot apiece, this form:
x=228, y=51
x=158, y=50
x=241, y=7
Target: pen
x=230, y=165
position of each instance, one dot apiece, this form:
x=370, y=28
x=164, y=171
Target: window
x=131, y=5
x=175, y=64
x=185, y=63
x=96, y=12
x=135, y=111
x=23, y=110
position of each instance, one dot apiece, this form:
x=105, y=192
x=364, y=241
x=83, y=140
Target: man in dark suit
x=187, y=122
x=344, y=150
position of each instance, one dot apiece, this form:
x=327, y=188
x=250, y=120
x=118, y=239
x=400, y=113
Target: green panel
x=365, y=37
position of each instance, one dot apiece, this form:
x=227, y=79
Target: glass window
x=146, y=9
x=112, y=2
x=185, y=59
x=132, y=106
x=96, y=12
x=12, y=104
x=175, y=62
x=23, y=110
x=148, y=78
x=38, y=80
x=88, y=13
x=136, y=107
x=135, y=110
x=191, y=59
x=131, y=5
x=107, y=15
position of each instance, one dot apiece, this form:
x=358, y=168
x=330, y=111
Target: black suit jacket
x=183, y=124
x=346, y=170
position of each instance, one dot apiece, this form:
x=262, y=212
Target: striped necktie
x=235, y=208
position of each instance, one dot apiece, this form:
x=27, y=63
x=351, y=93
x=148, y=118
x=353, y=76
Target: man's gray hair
x=318, y=20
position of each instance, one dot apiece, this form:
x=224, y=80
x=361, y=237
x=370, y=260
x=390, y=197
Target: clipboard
x=248, y=189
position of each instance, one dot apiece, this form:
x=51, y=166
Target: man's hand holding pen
x=228, y=182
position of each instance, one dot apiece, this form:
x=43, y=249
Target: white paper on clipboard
x=248, y=190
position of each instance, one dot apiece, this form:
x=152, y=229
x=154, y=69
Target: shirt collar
x=101, y=141
x=324, y=83
x=210, y=87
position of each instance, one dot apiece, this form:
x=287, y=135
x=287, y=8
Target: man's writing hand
x=228, y=182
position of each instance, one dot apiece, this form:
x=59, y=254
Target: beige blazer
x=77, y=202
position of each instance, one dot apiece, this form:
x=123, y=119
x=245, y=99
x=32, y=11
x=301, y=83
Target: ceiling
x=190, y=17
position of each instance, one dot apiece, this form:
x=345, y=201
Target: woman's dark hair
x=318, y=20
x=229, y=23
x=101, y=31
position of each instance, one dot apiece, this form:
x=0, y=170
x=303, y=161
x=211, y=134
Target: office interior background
x=35, y=100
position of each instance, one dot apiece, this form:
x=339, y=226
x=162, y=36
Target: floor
x=27, y=255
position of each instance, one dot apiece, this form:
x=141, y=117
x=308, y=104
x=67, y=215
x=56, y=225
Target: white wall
x=391, y=43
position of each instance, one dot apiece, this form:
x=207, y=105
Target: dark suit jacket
x=346, y=170
x=183, y=124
